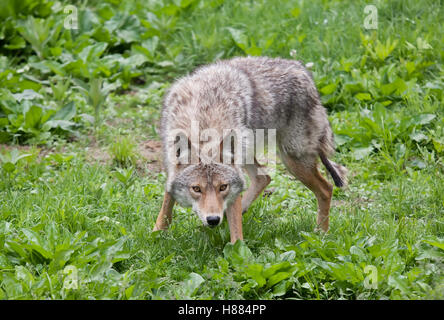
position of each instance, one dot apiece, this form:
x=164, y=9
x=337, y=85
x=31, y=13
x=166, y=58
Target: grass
x=78, y=200
x=123, y=152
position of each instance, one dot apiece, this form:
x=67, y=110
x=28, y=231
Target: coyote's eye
x=223, y=187
x=196, y=189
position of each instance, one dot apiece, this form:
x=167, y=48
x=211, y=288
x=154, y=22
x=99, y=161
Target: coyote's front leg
x=234, y=217
x=166, y=213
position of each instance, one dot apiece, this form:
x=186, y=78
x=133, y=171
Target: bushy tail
x=337, y=172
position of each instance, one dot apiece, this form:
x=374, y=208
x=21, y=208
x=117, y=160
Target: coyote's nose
x=213, y=221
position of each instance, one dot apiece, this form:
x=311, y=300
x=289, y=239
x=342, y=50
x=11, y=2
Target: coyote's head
x=208, y=188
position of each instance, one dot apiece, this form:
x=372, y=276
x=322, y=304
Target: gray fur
x=246, y=93
x=192, y=173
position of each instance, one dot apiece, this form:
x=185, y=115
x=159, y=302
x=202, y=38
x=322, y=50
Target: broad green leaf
x=129, y=291
x=436, y=244
x=98, y=271
x=278, y=277
x=61, y=257
x=16, y=43
x=354, y=87
x=135, y=60
x=15, y=156
x=361, y=153
x=418, y=164
x=253, y=51
x=329, y=89
x=387, y=89
x=279, y=267
x=281, y=288
x=192, y=284
x=418, y=136
x=27, y=94
x=239, y=38
x=399, y=282
x=425, y=118
x=238, y=254
x=93, y=52
x=26, y=277
x=36, y=243
x=32, y=116
x=354, y=250
x=62, y=124
x=255, y=272
x=384, y=50
x=363, y=96
x=288, y=255
x=18, y=248
x=401, y=86
x=67, y=112
x=12, y=286
x=342, y=139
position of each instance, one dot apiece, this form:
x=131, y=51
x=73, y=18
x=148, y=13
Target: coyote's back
x=257, y=93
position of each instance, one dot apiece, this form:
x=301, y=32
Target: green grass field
x=81, y=181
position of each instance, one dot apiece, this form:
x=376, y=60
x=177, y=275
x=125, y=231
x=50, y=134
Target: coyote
x=243, y=93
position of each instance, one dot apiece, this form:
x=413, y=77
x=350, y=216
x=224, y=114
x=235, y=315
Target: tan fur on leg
x=166, y=213
x=309, y=175
x=234, y=217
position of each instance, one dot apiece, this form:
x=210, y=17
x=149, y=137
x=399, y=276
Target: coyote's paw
x=157, y=228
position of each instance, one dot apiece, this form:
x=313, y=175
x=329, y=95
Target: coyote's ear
x=183, y=149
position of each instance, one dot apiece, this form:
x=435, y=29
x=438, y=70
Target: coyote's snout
x=202, y=110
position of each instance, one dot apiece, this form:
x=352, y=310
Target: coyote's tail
x=337, y=172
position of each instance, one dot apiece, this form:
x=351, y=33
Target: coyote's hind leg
x=306, y=170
